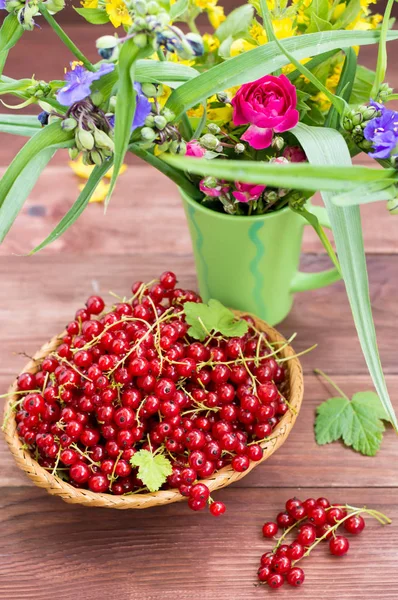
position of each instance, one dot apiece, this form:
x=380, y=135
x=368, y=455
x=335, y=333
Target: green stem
x=332, y=383
x=382, y=55
x=65, y=38
x=192, y=26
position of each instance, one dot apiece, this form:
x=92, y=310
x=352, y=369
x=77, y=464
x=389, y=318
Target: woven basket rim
x=225, y=476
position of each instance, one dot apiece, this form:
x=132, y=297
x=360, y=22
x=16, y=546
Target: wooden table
x=53, y=550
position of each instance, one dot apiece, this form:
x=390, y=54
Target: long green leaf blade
x=264, y=60
x=25, y=125
x=125, y=108
x=78, y=207
x=323, y=146
x=301, y=176
x=10, y=32
x=21, y=189
x=51, y=136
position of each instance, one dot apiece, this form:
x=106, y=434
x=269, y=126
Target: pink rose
x=214, y=192
x=245, y=192
x=294, y=154
x=268, y=105
x=195, y=149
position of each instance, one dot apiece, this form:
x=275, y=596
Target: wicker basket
x=55, y=486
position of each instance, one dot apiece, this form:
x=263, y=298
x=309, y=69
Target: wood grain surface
x=53, y=550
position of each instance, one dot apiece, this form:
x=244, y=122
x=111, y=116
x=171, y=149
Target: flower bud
x=223, y=97
x=112, y=103
x=85, y=139
x=160, y=122
x=13, y=5
x=239, y=148
x=150, y=90
x=168, y=115
x=96, y=157
x=140, y=7
x=152, y=8
x=150, y=121
x=209, y=141
x=96, y=97
x=102, y=140
x=213, y=128
x=141, y=40
x=385, y=92
x=196, y=42
x=87, y=159
x=54, y=6
x=148, y=134
x=73, y=153
x=69, y=124
x=106, y=42
x=278, y=142
x=43, y=117
x=210, y=182
x=25, y=17
x=178, y=147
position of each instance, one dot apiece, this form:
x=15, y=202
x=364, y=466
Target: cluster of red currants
x=133, y=378
x=314, y=521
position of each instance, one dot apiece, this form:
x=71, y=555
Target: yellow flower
x=89, y=3
x=240, y=46
x=118, y=13
x=100, y=192
x=284, y=28
x=205, y=4
x=322, y=101
x=165, y=95
x=338, y=11
x=84, y=171
x=211, y=42
x=258, y=33
x=216, y=16
x=220, y=115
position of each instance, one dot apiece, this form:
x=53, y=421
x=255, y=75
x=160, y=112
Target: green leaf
x=163, y=72
x=125, y=108
x=236, y=23
x=96, y=16
x=326, y=146
x=50, y=136
x=262, y=61
x=320, y=8
x=10, y=32
x=344, y=88
x=78, y=207
x=362, y=88
x=330, y=415
x=318, y=24
x=314, y=222
x=26, y=125
x=358, y=423
x=153, y=469
x=21, y=189
x=301, y=176
x=313, y=63
x=213, y=317
x=178, y=9
x=365, y=194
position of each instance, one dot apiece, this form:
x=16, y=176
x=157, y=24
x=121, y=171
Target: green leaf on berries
x=213, y=317
x=359, y=422
x=153, y=469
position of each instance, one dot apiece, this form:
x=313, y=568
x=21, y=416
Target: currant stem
x=332, y=383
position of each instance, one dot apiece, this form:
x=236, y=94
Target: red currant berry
x=284, y=520
x=281, y=564
x=339, y=545
x=335, y=514
x=270, y=529
x=307, y=534
x=295, y=577
x=354, y=524
x=217, y=508
x=275, y=580
x=263, y=573
x=317, y=516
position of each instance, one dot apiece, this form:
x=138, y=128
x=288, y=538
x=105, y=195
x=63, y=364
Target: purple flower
x=78, y=83
x=142, y=109
x=2, y=4
x=383, y=133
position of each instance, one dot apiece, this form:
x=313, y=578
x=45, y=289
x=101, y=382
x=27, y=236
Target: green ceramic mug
x=251, y=263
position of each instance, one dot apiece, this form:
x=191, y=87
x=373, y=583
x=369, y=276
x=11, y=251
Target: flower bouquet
x=249, y=121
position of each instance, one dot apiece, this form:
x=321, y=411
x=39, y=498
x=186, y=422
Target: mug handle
x=303, y=282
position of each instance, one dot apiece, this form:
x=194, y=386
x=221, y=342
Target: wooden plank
x=141, y=218
x=51, y=549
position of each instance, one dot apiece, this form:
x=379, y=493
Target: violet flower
x=2, y=4
x=383, y=133
x=78, y=83
x=142, y=109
